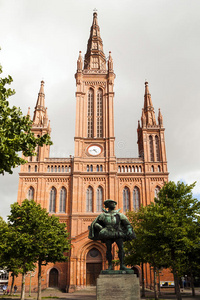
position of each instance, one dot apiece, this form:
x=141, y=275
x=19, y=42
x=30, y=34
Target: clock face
x=94, y=150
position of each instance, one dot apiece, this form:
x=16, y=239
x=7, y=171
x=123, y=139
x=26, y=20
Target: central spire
x=95, y=58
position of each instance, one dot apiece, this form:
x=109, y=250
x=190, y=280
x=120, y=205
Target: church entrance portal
x=93, y=266
x=53, y=278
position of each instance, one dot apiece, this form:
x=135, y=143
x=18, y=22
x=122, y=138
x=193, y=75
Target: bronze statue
x=109, y=227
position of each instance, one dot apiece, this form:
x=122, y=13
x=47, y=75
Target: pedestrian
x=15, y=289
x=7, y=291
x=4, y=289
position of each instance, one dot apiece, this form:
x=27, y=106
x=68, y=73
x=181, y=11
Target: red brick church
x=74, y=188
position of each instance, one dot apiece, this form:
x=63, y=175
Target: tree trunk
x=23, y=287
x=39, y=280
x=159, y=292
x=177, y=288
x=13, y=278
x=192, y=284
x=155, y=284
x=143, y=288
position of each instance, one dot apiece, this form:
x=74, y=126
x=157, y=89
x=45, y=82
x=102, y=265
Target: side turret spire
x=40, y=114
x=148, y=107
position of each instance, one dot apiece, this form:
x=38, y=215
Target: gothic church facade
x=74, y=188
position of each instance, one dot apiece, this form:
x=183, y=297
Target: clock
x=94, y=150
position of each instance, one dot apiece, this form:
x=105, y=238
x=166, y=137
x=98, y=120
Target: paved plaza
x=90, y=294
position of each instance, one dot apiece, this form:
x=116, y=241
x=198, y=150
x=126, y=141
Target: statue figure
x=109, y=227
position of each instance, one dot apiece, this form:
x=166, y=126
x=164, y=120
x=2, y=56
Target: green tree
x=167, y=228
x=15, y=131
x=40, y=237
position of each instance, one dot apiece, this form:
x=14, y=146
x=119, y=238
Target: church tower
x=75, y=187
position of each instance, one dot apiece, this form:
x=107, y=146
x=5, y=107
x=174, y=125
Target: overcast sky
x=154, y=40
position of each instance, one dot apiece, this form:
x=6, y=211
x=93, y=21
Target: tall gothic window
x=30, y=194
x=136, y=198
x=99, y=198
x=126, y=199
x=90, y=112
x=151, y=148
x=157, y=148
x=156, y=192
x=89, y=199
x=99, y=113
x=62, y=200
x=52, y=200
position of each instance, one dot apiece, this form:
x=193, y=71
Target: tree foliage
x=15, y=131
x=33, y=236
x=168, y=230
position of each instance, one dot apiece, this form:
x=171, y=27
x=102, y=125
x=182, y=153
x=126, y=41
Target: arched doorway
x=53, y=278
x=93, y=266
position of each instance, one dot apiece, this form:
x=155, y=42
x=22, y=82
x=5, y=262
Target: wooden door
x=53, y=278
x=92, y=272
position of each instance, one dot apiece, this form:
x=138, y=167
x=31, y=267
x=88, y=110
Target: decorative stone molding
x=30, y=179
x=94, y=179
x=95, y=83
x=158, y=179
x=130, y=179
x=87, y=71
x=53, y=179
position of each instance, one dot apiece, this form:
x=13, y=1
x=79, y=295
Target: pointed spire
x=79, y=62
x=148, y=107
x=160, y=118
x=95, y=58
x=40, y=110
x=110, y=62
x=28, y=113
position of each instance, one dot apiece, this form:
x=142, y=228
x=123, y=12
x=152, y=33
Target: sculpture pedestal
x=118, y=285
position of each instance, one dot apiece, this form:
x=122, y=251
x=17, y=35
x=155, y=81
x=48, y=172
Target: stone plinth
x=118, y=286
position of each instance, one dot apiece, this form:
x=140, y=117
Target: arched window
x=151, y=154
x=65, y=168
x=55, y=168
x=100, y=113
x=89, y=199
x=136, y=169
x=101, y=168
x=62, y=200
x=159, y=169
x=157, y=148
x=97, y=168
x=129, y=169
x=140, y=169
x=91, y=168
x=58, y=168
x=29, y=169
x=30, y=195
x=48, y=169
x=51, y=168
x=156, y=192
x=119, y=169
x=35, y=168
x=126, y=169
x=152, y=168
x=122, y=169
x=69, y=169
x=62, y=168
x=99, y=198
x=90, y=112
x=133, y=169
x=126, y=199
x=88, y=168
x=52, y=200
x=136, y=198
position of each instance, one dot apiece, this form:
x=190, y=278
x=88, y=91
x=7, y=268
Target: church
x=74, y=188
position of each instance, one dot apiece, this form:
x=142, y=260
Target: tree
x=15, y=131
x=168, y=228
x=40, y=237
